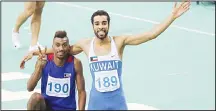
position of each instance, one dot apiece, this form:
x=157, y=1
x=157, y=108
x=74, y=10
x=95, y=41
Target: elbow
x=75, y=52
x=29, y=87
x=153, y=35
x=82, y=92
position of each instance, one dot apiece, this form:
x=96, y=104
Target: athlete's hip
x=114, y=102
x=94, y=94
x=60, y=103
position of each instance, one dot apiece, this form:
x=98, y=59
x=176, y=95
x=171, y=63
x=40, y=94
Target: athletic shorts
x=116, y=102
x=49, y=107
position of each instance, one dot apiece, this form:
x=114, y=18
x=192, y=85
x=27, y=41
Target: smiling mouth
x=61, y=53
x=101, y=32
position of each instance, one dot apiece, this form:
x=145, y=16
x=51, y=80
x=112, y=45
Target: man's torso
x=58, y=84
x=104, y=49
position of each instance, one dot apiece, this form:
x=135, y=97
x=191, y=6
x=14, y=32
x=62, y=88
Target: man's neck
x=59, y=62
x=102, y=42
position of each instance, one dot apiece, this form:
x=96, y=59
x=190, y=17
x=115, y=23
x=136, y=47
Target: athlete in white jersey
x=105, y=55
x=106, y=73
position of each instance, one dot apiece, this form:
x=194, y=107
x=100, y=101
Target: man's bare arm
x=146, y=36
x=35, y=77
x=74, y=49
x=48, y=51
x=80, y=84
x=77, y=47
x=158, y=29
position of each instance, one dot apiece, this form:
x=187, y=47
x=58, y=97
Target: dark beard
x=106, y=33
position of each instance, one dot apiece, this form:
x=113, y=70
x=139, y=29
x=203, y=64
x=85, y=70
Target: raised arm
x=37, y=52
x=74, y=49
x=31, y=54
x=35, y=77
x=77, y=47
x=158, y=29
x=80, y=84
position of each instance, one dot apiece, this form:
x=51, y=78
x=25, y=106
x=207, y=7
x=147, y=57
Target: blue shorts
x=53, y=108
x=117, y=102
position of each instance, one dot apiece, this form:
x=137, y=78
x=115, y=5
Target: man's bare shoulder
x=77, y=62
x=84, y=41
x=118, y=39
x=77, y=65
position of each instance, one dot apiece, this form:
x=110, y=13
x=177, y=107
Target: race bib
x=106, y=81
x=58, y=87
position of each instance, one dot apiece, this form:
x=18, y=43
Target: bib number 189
x=106, y=81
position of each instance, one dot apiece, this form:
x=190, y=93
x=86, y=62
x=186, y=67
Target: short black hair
x=60, y=34
x=100, y=12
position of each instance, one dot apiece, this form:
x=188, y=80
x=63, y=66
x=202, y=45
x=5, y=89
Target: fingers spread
x=44, y=59
x=22, y=65
x=45, y=50
x=183, y=3
x=39, y=50
x=175, y=5
x=186, y=4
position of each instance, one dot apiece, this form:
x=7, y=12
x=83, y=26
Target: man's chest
x=103, y=50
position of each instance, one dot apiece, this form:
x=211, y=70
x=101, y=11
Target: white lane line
x=19, y=95
x=136, y=18
x=14, y=76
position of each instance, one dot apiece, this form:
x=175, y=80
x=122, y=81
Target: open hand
x=25, y=59
x=28, y=57
x=182, y=8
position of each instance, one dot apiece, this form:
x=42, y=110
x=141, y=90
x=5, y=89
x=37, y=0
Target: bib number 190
x=58, y=87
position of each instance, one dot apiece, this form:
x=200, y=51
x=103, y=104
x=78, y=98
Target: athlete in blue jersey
x=60, y=73
x=105, y=57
